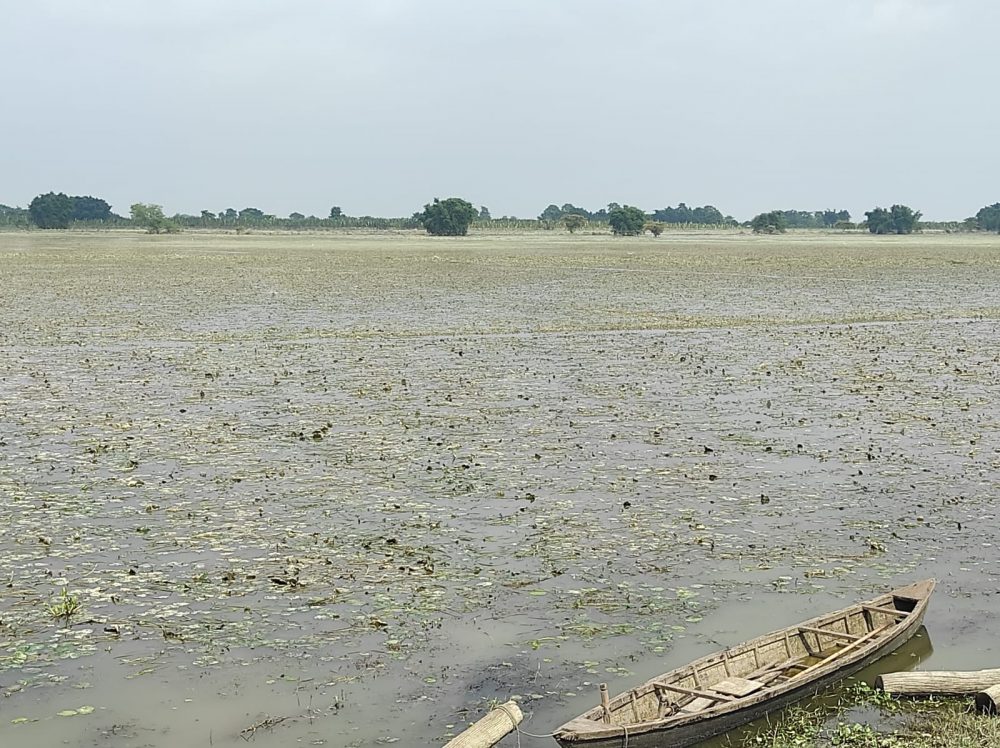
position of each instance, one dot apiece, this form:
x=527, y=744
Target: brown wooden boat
x=724, y=690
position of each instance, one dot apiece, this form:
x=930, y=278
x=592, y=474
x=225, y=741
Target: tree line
x=899, y=219
x=453, y=216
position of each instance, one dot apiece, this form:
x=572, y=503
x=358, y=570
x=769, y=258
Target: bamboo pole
x=988, y=701
x=605, y=703
x=491, y=729
x=930, y=682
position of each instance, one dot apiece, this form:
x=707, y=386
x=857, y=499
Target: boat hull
x=699, y=727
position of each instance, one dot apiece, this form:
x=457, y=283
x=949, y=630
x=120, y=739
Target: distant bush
x=14, y=216
x=449, y=217
x=150, y=217
x=769, y=223
x=988, y=218
x=51, y=210
x=57, y=210
x=899, y=219
x=574, y=221
x=654, y=227
x=626, y=220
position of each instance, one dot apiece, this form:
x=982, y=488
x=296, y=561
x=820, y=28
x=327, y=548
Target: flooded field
x=350, y=491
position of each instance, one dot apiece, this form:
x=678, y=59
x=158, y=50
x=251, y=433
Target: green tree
x=905, y=220
x=574, y=221
x=833, y=217
x=626, y=220
x=296, y=216
x=336, y=212
x=551, y=213
x=568, y=208
x=87, y=208
x=707, y=214
x=773, y=222
x=484, y=213
x=251, y=215
x=899, y=219
x=555, y=214
x=14, y=216
x=879, y=221
x=448, y=217
x=988, y=218
x=801, y=219
x=51, y=210
x=150, y=217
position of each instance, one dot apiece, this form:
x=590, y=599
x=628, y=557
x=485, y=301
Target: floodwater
x=352, y=490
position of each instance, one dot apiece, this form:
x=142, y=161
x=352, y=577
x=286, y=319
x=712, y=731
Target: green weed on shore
x=866, y=718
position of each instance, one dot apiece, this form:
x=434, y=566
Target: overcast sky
x=380, y=105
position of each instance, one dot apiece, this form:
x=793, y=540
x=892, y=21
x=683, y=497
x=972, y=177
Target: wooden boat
x=724, y=690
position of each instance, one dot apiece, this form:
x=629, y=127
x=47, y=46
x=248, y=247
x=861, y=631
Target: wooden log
x=491, y=729
x=932, y=682
x=988, y=701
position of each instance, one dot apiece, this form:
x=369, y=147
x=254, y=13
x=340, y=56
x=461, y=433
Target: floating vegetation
x=269, y=470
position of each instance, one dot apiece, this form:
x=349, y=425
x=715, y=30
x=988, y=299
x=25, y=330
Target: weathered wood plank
x=738, y=687
x=693, y=691
x=697, y=705
x=828, y=632
x=887, y=611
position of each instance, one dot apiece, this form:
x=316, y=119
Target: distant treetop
x=899, y=219
x=448, y=217
x=773, y=222
x=706, y=215
x=150, y=217
x=626, y=220
x=57, y=210
x=988, y=218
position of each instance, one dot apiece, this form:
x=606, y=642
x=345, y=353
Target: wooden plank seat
x=729, y=689
x=887, y=611
x=738, y=687
x=696, y=705
x=828, y=632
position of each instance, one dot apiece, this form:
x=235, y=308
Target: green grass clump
x=65, y=607
x=930, y=723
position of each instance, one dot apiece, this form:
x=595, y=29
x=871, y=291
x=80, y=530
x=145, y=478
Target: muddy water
x=350, y=490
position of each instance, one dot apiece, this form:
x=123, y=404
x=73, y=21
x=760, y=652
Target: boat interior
x=756, y=666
